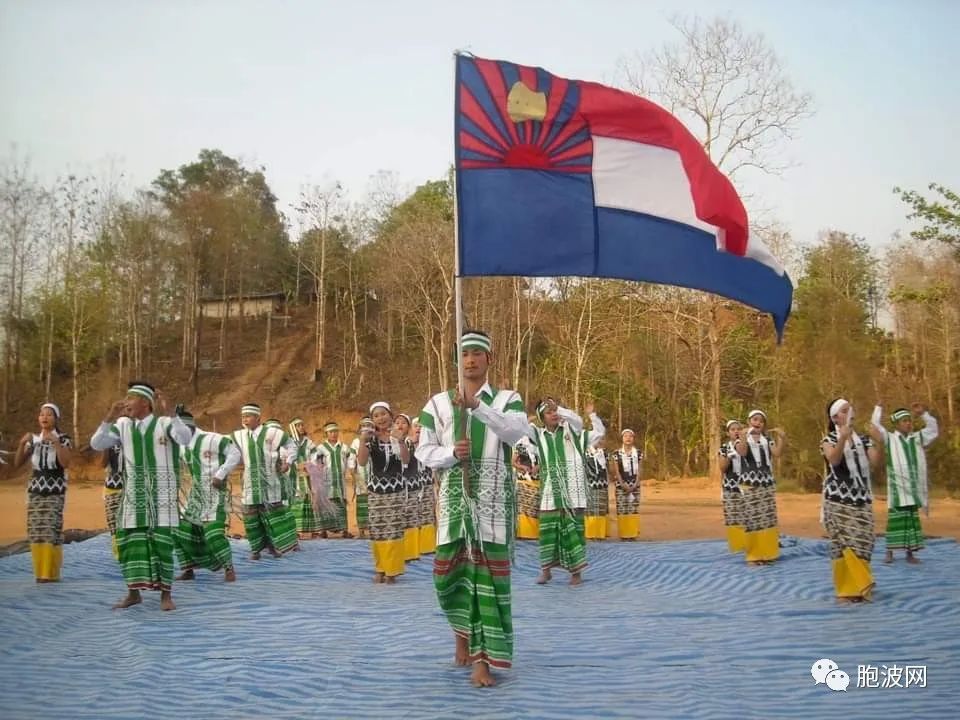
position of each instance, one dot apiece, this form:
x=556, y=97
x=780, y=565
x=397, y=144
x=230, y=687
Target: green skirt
x=561, y=541
x=473, y=589
x=146, y=557
x=271, y=525
x=306, y=519
x=363, y=512
x=204, y=546
x=904, y=531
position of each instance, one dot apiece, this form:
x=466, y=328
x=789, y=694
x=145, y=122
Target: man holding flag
x=467, y=435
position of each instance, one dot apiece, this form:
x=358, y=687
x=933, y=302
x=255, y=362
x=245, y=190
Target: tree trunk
x=198, y=328
x=266, y=350
x=321, y=299
x=713, y=409
x=225, y=314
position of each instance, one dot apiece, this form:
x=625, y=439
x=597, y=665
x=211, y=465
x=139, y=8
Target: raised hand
x=161, y=401
x=918, y=408
x=588, y=408
x=118, y=409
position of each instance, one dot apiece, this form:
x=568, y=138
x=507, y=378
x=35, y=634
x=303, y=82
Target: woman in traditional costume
x=50, y=453
x=848, y=502
x=384, y=454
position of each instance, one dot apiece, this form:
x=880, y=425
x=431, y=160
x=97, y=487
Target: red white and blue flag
x=565, y=177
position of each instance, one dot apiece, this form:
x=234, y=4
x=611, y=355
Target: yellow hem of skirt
x=736, y=538
x=852, y=576
x=762, y=545
x=595, y=527
x=428, y=539
x=411, y=544
x=388, y=556
x=628, y=526
x=528, y=528
x=47, y=560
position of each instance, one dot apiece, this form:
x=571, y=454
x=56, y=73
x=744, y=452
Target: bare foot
x=912, y=560
x=347, y=535
x=481, y=677
x=255, y=556
x=296, y=548
x=462, y=654
x=186, y=575
x=323, y=534
x=230, y=575
x=889, y=558
x=166, y=601
x=273, y=551
x=391, y=580
x=132, y=598
x=378, y=578
x=544, y=577
x=576, y=579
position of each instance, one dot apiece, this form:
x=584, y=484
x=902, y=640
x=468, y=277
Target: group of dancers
x=463, y=480
x=749, y=496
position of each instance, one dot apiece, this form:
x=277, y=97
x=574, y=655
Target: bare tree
x=733, y=92
x=316, y=205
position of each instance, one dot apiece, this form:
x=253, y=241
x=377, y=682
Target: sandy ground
x=679, y=509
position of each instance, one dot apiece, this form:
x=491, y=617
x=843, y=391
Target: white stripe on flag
x=649, y=179
x=643, y=178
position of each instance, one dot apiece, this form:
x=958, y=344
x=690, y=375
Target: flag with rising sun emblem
x=565, y=177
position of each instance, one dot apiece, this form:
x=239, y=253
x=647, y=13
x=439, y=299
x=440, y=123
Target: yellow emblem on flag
x=525, y=104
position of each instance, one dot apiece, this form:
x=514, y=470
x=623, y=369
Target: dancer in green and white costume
x=267, y=453
x=360, y=479
x=334, y=455
x=149, y=508
x=907, y=482
x=476, y=515
x=308, y=523
x=201, y=538
x=561, y=446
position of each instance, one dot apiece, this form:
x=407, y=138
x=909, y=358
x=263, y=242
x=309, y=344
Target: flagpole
x=462, y=431
x=457, y=280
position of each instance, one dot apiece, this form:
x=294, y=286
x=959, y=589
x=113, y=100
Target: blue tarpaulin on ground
x=674, y=629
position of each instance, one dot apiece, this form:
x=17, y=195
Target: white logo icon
x=838, y=680
x=821, y=668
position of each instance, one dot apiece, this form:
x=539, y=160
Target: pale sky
x=323, y=90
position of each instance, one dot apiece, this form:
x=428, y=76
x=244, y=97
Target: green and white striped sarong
x=204, y=546
x=336, y=519
x=307, y=521
x=363, y=512
x=561, y=541
x=903, y=529
x=270, y=525
x=146, y=557
x=473, y=589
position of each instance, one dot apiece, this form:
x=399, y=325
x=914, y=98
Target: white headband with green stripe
x=901, y=415
x=250, y=410
x=143, y=391
x=475, y=341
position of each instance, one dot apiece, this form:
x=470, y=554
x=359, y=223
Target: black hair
x=831, y=425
